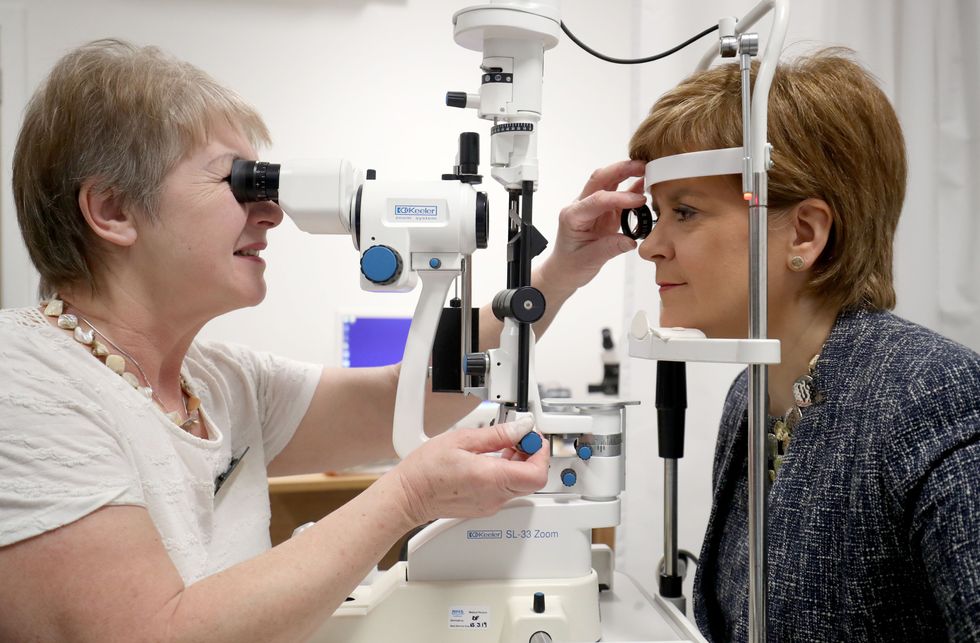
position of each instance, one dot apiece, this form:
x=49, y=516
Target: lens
x=254, y=181
x=636, y=223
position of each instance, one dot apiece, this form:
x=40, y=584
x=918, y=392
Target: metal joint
x=728, y=46
x=748, y=44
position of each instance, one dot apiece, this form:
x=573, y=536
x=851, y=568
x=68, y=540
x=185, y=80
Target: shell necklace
x=117, y=364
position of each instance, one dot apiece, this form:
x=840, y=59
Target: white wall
x=367, y=80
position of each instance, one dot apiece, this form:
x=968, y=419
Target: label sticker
x=469, y=617
x=416, y=212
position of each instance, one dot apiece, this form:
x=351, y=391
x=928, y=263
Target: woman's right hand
x=451, y=477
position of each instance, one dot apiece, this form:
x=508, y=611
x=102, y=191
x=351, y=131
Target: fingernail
x=520, y=428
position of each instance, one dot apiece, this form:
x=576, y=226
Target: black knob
x=525, y=304
x=538, y=602
x=456, y=99
x=469, y=153
x=477, y=364
x=607, y=342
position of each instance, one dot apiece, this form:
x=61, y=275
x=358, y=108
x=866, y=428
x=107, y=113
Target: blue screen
x=374, y=341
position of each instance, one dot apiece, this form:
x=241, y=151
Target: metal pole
x=465, y=318
x=754, y=184
x=670, y=517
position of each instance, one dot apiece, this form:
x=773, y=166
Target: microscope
x=530, y=572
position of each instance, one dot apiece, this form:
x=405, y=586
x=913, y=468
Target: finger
x=602, y=250
x=494, y=438
x=638, y=187
x=527, y=476
x=582, y=214
x=609, y=177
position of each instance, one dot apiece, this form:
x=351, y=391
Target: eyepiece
x=254, y=181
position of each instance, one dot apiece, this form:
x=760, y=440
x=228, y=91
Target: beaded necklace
x=117, y=363
x=781, y=430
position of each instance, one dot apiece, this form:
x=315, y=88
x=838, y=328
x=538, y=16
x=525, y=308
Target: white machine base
x=392, y=609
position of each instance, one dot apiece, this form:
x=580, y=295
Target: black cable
x=635, y=61
x=688, y=556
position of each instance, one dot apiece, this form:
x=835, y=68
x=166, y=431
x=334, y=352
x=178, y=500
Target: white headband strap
x=694, y=164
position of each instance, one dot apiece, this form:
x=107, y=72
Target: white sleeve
x=282, y=389
x=60, y=458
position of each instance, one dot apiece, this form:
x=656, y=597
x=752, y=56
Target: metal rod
x=465, y=318
x=745, y=64
x=670, y=516
x=758, y=412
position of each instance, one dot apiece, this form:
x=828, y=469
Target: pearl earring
x=797, y=263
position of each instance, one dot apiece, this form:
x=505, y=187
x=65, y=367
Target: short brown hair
x=835, y=137
x=124, y=116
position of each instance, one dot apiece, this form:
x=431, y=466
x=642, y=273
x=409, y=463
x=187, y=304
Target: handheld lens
x=254, y=181
x=637, y=223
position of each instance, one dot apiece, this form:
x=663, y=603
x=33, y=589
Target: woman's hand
x=451, y=477
x=588, y=229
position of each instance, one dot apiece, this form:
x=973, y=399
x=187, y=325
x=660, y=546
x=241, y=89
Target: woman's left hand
x=589, y=228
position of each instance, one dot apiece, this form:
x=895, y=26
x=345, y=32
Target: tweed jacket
x=874, y=518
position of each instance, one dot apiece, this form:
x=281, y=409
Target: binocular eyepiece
x=254, y=181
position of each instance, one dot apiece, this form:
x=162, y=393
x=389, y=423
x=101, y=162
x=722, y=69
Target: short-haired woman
x=874, y=434
x=115, y=421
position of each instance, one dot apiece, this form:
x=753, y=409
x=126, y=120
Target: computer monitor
x=373, y=340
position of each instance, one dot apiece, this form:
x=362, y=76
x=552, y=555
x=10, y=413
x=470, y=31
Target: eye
x=684, y=213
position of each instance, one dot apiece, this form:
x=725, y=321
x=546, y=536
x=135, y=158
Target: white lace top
x=74, y=437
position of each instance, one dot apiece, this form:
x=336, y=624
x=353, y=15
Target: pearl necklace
x=68, y=321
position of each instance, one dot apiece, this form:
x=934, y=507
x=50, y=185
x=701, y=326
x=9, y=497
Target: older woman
x=874, y=508
x=115, y=422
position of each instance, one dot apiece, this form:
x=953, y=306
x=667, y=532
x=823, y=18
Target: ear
x=812, y=222
x=104, y=212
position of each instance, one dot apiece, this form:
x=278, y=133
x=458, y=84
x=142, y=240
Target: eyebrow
x=680, y=193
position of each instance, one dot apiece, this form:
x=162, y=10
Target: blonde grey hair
x=119, y=115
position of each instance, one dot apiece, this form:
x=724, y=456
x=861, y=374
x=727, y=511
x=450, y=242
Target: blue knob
x=381, y=265
x=435, y=263
x=584, y=451
x=568, y=477
x=530, y=443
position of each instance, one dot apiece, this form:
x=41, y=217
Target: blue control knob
x=381, y=265
x=530, y=443
x=584, y=451
x=568, y=477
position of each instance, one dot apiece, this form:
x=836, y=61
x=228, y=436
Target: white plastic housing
x=419, y=220
x=317, y=194
x=533, y=537
x=513, y=36
x=691, y=345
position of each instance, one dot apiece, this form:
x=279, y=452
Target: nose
x=265, y=214
x=657, y=246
